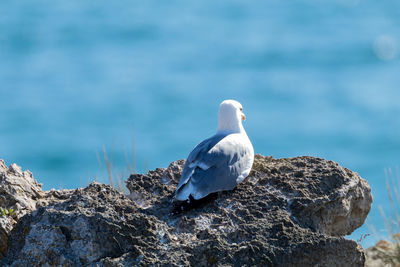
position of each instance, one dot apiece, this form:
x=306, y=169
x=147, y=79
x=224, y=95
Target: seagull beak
x=243, y=117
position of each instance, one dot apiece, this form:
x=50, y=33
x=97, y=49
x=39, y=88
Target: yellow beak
x=243, y=117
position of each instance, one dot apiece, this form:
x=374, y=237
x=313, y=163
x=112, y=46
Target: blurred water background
x=315, y=78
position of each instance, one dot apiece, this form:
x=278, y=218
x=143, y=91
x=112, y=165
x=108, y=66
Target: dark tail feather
x=192, y=203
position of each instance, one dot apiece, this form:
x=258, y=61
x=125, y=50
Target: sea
x=93, y=88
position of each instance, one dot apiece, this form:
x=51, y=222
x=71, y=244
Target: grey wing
x=196, y=156
x=215, y=169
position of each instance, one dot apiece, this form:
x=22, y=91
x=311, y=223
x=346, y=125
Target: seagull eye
x=241, y=109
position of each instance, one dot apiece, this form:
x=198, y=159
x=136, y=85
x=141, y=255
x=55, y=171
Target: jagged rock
x=21, y=192
x=94, y=223
x=289, y=212
x=321, y=194
x=18, y=191
x=6, y=225
x=284, y=214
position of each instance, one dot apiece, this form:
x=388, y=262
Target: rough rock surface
x=321, y=194
x=94, y=223
x=286, y=213
x=289, y=212
x=18, y=191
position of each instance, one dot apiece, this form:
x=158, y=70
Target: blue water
x=314, y=77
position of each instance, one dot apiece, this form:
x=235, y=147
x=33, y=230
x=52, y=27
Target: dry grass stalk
x=389, y=251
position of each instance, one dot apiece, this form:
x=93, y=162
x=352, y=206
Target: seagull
x=220, y=162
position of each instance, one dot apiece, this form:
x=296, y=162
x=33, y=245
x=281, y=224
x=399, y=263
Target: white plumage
x=220, y=162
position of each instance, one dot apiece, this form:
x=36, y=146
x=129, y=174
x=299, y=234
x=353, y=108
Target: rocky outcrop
x=94, y=223
x=18, y=191
x=321, y=194
x=289, y=212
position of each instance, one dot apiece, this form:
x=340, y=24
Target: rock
x=289, y=212
x=18, y=191
x=94, y=224
x=21, y=192
x=6, y=225
x=287, y=208
x=321, y=194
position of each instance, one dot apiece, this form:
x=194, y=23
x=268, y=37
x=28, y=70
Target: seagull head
x=230, y=116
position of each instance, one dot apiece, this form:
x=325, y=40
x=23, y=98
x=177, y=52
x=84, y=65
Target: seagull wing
x=214, y=165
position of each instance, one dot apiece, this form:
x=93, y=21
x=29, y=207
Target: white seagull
x=220, y=162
